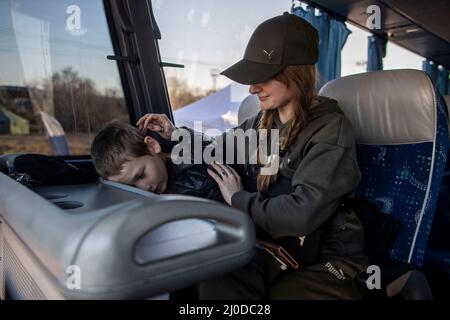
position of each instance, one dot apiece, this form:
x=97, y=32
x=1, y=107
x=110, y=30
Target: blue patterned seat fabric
x=404, y=180
x=437, y=258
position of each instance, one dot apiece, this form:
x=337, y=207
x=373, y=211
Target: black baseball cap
x=275, y=43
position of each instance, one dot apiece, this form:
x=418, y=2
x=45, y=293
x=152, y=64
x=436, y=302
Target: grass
x=78, y=144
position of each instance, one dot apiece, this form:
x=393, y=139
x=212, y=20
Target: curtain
x=376, y=52
x=430, y=68
x=333, y=35
x=439, y=76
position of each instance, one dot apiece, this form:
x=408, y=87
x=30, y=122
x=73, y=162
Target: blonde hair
x=301, y=80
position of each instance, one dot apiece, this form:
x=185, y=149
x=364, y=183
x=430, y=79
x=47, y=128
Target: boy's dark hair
x=113, y=145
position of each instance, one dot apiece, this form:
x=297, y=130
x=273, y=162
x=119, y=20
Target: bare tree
x=80, y=107
x=181, y=94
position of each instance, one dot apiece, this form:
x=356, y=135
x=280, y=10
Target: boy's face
x=147, y=172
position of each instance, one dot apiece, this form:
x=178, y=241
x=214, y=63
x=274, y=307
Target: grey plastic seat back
x=114, y=241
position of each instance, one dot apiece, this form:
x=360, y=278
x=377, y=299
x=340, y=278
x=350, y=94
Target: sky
x=205, y=35
x=35, y=42
x=355, y=52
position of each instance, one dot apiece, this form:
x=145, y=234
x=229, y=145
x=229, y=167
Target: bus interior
x=62, y=78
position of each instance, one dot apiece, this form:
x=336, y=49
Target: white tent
x=217, y=111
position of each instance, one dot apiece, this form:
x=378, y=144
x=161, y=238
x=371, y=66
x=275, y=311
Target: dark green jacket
x=322, y=168
x=320, y=165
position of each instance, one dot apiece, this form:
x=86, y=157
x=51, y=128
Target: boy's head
x=122, y=153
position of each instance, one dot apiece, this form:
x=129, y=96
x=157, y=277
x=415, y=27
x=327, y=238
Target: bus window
x=55, y=79
x=400, y=58
x=354, y=53
x=206, y=37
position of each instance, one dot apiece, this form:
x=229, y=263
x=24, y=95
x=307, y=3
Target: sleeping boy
x=122, y=153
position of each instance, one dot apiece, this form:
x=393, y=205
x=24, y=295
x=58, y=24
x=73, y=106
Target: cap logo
x=268, y=54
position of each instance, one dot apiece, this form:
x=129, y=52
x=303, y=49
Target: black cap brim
x=250, y=72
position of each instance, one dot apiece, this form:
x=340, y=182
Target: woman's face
x=272, y=94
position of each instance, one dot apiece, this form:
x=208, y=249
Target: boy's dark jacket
x=193, y=180
x=316, y=172
x=189, y=179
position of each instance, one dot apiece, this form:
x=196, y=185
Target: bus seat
x=249, y=107
x=402, y=138
x=437, y=259
x=447, y=102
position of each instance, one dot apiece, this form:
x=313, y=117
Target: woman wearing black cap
x=297, y=207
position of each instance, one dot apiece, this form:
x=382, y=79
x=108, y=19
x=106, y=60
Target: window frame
x=132, y=25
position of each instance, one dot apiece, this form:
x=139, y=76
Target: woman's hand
x=228, y=180
x=158, y=123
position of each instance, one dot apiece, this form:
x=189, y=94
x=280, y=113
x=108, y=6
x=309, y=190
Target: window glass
x=354, y=53
x=400, y=58
x=207, y=36
x=56, y=85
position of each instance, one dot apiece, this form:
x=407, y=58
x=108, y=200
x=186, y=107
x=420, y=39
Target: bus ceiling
x=419, y=26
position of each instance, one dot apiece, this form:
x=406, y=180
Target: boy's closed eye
x=140, y=175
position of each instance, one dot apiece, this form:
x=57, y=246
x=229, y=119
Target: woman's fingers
x=152, y=119
x=158, y=123
x=215, y=176
x=234, y=172
x=221, y=170
x=229, y=182
x=228, y=170
x=141, y=122
x=155, y=121
x=142, y=119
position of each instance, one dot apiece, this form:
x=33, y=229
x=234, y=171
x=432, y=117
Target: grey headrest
x=249, y=107
x=447, y=101
x=387, y=107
